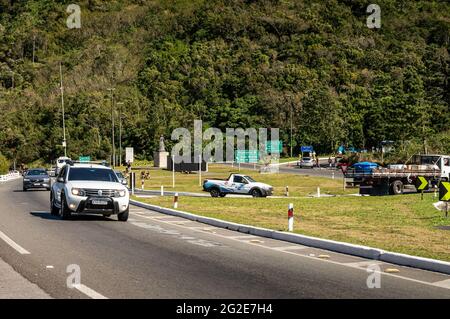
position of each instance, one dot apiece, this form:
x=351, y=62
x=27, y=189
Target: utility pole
x=120, y=132
x=291, y=129
x=113, y=159
x=63, y=115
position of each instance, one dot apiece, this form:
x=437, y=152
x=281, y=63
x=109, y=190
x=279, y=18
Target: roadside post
x=132, y=182
x=162, y=190
x=291, y=217
x=318, y=192
x=287, y=191
x=173, y=171
x=175, y=201
x=142, y=183
x=332, y=175
x=423, y=184
x=199, y=170
x=444, y=195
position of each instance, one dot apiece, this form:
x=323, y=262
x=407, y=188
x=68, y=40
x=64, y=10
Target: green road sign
x=85, y=159
x=444, y=191
x=274, y=146
x=423, y=183
x=246, y=156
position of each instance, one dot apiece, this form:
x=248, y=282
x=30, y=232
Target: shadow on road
x=29, y=191
x=48, y=216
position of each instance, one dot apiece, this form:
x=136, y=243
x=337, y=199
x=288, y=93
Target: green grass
x=299, y=185
x=403, y=224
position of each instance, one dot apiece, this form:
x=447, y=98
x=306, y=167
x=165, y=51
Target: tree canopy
x=230, y=63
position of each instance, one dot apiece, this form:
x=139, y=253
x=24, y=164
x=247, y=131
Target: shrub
x=4, y=165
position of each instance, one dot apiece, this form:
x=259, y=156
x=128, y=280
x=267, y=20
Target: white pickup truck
x=237, y=184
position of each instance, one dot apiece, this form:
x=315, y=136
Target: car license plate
x=37, y=184
x=99, y=202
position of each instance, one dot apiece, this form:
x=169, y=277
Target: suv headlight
x=26, y=179
x=120, y=193
x=78, y=192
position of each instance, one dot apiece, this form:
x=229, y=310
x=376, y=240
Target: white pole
x=199, y=170
x=162, y=190
x=173, y=171
x=318, y=191
x=175, y=201
x=291, y=217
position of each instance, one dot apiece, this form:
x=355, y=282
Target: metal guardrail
x=9, y=176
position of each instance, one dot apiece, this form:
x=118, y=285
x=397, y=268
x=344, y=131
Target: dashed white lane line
x=364, y=263
x=443, y=283
x=88, y=291
x=242, y=237
x=350, y=265
x=284, y=248
x=13, y=244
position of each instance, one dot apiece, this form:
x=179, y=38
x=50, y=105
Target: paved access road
x=159, y=256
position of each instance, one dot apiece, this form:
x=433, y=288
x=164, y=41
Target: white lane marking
x=14, y=245
x=88, y=291
x=308, y=257
x=242, y=237
x=191, y=240
x=365, y=263
x=283, y=248
x=49, y=267
x=443, y=283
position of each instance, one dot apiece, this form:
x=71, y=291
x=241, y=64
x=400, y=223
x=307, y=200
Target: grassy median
x=404, y=224
x=299, y=185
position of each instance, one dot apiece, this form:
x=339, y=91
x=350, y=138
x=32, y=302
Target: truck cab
x=438, y=162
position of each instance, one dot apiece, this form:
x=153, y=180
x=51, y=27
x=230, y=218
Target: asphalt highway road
x=158, y=256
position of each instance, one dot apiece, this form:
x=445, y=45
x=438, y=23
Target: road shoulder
x=14, y=286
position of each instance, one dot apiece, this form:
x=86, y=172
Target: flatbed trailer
x=392, y=181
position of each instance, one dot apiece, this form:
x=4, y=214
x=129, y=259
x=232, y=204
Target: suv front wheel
x=123, y=217
x=53, y=209
x=65, y=211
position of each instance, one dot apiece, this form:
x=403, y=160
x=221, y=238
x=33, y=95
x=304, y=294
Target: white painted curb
x=416, y=262
x=340, y=247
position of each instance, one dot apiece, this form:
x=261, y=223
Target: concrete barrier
x=340, y=247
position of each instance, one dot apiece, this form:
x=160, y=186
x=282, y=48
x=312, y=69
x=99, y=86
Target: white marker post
x=291, y=217
x=175, y=201
x=142, y=183
x=199, y=170
x=173, y=171
x=133, y=182
x=162, y=190
x=318, y=192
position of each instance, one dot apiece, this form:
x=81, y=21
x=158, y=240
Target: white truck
x=237, y=184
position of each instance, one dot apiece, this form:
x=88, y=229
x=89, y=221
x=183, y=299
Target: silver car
x=306, y=162
x=89, y=189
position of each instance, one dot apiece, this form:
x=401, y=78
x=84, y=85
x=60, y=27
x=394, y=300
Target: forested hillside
x=230, y=63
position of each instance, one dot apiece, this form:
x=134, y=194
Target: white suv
x=89, y=189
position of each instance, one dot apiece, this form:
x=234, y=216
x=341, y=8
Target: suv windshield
x=36, y=172
x=92, y=174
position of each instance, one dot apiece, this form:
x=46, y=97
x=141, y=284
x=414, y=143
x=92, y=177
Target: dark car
x=36, y=178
